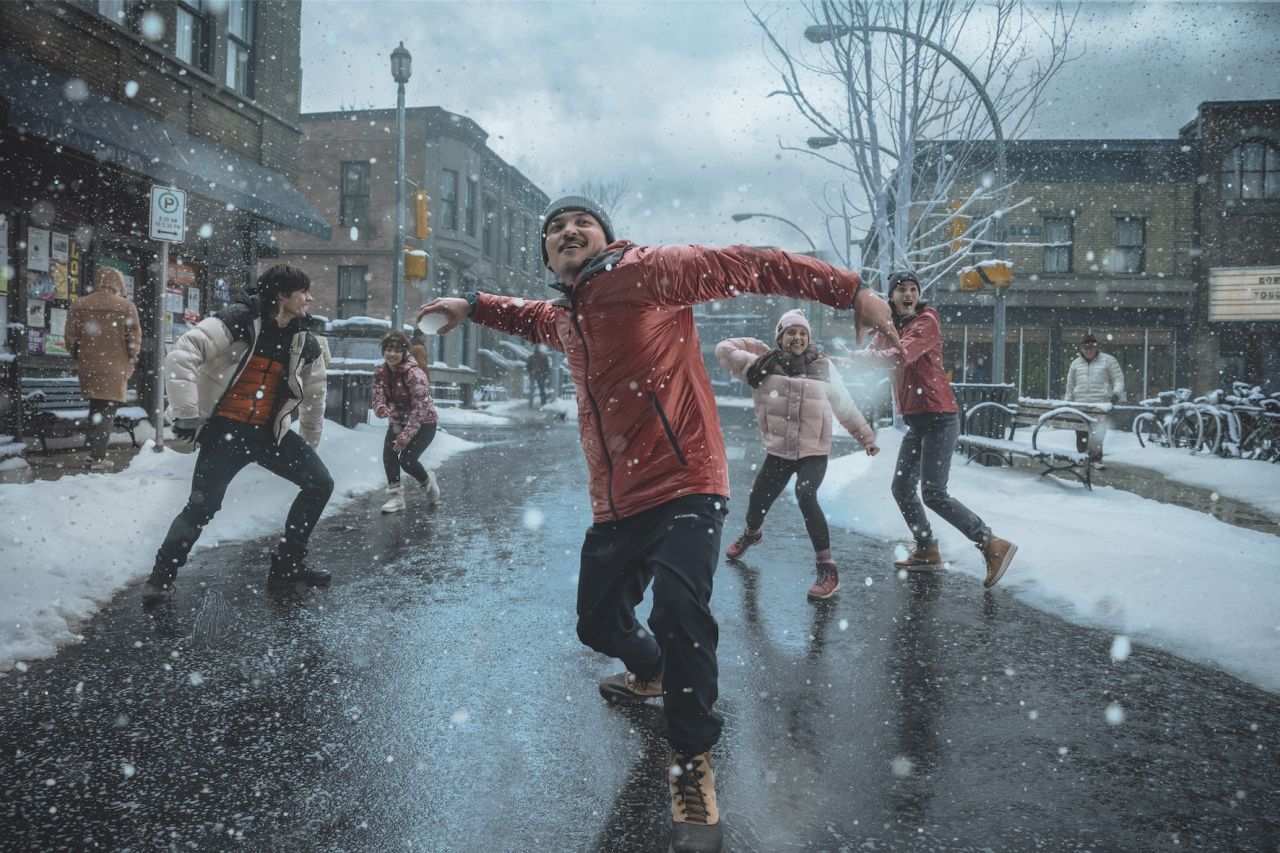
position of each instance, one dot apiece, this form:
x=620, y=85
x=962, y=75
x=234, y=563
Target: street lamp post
x=821, y=33
x=401, y=69
x=743, y=217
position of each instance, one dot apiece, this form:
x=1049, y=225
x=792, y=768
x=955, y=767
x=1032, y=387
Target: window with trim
x=472, y=212
x=355, y=194
x=191, y=36
x=449, y=199
x=239, y=76
x=353, y=292
x=529, y=251
x=1251, y=170
x=508, y=237
x=489, y=241
x=124, y=13
x=1057, y=230
x=1131, y=232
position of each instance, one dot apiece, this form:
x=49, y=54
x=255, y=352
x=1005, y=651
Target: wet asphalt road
x=436, y=698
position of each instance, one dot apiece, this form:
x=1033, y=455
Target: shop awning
x=41, y=103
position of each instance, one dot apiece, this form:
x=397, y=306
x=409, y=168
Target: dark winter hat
x=1088, y=339
x=902, y=277
x=574, y=202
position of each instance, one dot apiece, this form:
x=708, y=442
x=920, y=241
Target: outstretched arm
x=531, y=319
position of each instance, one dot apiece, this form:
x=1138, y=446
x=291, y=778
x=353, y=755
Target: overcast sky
x=673, y=95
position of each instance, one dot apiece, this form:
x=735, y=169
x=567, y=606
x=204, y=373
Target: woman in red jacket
x=929, y=408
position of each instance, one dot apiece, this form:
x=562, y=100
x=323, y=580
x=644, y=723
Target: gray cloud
x=673, y=95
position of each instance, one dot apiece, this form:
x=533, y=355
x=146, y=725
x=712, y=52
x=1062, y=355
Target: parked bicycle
x=1242, y=423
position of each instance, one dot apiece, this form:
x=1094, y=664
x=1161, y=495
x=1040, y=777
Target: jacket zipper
x=666, y=427
x=586, y=384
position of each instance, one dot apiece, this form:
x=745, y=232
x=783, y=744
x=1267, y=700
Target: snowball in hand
x=430, y=324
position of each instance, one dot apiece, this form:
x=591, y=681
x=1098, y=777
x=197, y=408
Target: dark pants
x=102, y=414
x=774, y=475
x=226, y=447
x=676, y=546
x=924, y=461
x=541, y=383
x=407, y=459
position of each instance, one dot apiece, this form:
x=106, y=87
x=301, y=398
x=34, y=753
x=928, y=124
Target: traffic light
x=421, y=214
x=415, y=263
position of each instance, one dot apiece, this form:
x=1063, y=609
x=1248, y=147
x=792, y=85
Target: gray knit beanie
x=574, y=202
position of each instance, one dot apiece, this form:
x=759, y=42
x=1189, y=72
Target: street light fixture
x=822, y=33
x=743, y=217
x=401, y=69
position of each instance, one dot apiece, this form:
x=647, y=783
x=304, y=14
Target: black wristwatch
x=472, y=298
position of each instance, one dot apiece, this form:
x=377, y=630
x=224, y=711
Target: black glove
x=1115, y=398
x=186, y=429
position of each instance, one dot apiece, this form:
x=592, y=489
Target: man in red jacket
x=659, y=480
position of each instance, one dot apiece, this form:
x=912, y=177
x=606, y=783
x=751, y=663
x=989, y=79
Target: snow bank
x=68, y=545
x=1171, y=577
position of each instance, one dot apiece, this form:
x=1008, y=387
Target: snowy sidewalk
x=1160, y=574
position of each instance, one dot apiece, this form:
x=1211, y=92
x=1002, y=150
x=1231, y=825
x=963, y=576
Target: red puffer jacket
x=646, y=412
x=919, y=381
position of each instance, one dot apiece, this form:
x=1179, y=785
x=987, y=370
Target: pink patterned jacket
x=405, y=395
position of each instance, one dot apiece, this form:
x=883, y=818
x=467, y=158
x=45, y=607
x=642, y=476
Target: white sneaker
x=99, y=465
x=433, y=488
x=395, y=499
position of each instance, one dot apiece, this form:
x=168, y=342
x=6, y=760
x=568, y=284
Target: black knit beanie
x=574, y=202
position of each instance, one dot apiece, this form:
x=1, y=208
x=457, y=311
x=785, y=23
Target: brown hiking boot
x=921, y=559
x=695, y=818
x=999, y=554
x=827, y=584
x=625, y=689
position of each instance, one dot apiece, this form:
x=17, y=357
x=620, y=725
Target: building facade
x=1099, y=235
x=1237, y=243
x=100, y=102
x=485, y=220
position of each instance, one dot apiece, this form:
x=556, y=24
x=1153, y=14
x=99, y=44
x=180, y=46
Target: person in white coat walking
x=1093, y=377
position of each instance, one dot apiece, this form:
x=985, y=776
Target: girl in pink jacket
x=796, y=391
x=402, y=395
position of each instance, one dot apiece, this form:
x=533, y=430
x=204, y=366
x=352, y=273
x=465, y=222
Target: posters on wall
x=55, y=340
x=37, y=250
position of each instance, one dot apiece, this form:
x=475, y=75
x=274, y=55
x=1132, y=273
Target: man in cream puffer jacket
x=1093, y=377
x=234, y=382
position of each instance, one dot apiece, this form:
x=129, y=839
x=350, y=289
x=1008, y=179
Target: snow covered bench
x=1082, y=418
x=53, y=408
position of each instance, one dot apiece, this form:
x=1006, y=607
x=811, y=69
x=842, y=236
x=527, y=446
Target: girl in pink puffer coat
x=797, y=393
x=402, y=395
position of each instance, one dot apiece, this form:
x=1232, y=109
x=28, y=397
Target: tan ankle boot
x=695, y=817
x=998, y=554
x=921, y=559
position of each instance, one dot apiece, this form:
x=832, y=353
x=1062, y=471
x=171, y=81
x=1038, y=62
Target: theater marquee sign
x=1244, y=293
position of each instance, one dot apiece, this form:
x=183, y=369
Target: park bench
x=53, y=408
x=1080, y=418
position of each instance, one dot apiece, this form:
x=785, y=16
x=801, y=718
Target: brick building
x=485, y=219
x=1167, y=249
x=100, y=101
x=1237, y=243
x=1108, y=223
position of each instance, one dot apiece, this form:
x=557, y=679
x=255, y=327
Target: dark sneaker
x=921, y=559
x=625, y=689
x=286, y=573
x=157, y=590
x=743, y=542
x=695, y=817
x=827, y=584
x=998, y=554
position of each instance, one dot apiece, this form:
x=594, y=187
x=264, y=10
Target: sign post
x=168, y=225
